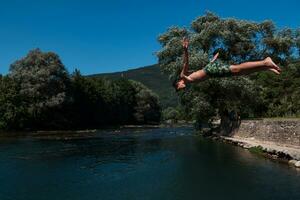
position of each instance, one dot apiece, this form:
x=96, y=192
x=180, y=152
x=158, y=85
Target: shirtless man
x=218, y=69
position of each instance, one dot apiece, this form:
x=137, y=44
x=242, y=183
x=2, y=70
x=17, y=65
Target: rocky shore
x=274, y=138
x=289, y=155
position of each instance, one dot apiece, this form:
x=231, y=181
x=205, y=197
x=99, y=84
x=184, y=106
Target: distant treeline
x=39, y=94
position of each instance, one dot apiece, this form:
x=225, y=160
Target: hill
x=152, y=77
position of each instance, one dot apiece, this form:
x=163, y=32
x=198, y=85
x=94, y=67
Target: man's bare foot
x=269, y=62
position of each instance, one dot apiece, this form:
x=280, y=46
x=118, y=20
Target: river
x=165, y=163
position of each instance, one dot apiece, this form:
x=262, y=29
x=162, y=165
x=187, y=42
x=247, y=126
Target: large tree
x=43, y=82
x=237, y=41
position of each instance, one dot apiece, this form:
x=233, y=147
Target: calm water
x=140, y=164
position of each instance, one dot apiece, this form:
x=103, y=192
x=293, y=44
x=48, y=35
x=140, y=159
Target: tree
x=91, y=102
x=171, y=113
x=297, y=40
x=147, y=109
x=281, y=94
x=124, y=94
x=237, y=41
x=43, y=82
x=12, y=109
x=102, y=102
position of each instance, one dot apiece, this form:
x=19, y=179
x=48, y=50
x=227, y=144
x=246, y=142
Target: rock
x=169, y=121
x=297, y=164
x=247, y=146
x=292, y=162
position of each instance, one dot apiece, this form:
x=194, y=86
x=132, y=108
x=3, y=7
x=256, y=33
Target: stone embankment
x=278, y=138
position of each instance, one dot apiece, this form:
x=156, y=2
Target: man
x=218, y=69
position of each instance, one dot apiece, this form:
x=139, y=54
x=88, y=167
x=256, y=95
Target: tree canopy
x=40, y=94
x=237, y=41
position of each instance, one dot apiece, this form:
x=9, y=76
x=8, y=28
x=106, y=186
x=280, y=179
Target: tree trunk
x=230, y=122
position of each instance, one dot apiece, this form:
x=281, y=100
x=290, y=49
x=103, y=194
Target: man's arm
x=185, y=68
x=187, y=78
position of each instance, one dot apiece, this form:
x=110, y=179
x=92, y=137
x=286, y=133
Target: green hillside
x=152, y=77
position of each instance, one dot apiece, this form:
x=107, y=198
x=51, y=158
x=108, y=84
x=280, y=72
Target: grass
x=257, y=150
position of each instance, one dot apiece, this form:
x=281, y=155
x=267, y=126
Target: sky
x=99, y=36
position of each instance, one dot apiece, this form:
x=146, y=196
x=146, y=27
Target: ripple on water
x=167, y=163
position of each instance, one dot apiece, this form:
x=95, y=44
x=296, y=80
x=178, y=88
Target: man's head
x=179, y=84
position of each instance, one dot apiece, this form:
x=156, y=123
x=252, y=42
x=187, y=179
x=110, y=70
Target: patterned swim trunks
x=217, y=69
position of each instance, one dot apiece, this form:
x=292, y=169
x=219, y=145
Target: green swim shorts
x=217, y=69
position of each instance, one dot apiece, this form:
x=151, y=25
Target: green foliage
x=124, y=100
x=39, y=93
x=175, y=114
x=42, y=77
x=12, y=107
x=43, y=82
x=257, y=150
x=297, y=40
x=237, y=41
x=147, y=109
x=171, y=113
x=99, y=101
x=88, y=100
x=281, y=94
x=151, y=77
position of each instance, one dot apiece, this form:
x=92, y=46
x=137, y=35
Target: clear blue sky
x=99, y=36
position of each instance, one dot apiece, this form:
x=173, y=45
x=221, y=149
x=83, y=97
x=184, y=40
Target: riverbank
x=274, y=138
x=290, y=155
x=81, y=134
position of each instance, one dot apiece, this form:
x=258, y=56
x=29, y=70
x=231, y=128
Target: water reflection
x=170, y=163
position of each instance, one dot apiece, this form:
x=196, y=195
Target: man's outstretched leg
x=251, y=67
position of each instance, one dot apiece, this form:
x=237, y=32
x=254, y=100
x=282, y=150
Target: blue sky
x=99, y=36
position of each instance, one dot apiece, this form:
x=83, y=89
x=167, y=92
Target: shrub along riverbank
x=39, y=94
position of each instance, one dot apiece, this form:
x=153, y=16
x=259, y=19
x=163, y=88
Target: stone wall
x=280, y=131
